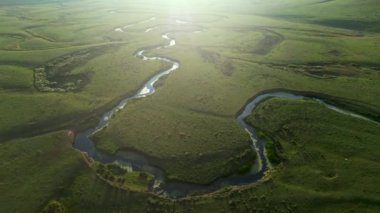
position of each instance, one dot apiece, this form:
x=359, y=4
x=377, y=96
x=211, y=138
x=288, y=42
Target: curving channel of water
x=139, y=162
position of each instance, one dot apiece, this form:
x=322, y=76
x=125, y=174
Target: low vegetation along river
x=139, y=162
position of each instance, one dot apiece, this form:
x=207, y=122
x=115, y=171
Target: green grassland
x=188, y=126
x=193, y=113
x=328, y=164
x=35, y=169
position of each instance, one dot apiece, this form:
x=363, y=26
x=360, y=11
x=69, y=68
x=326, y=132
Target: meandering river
x=139, y=162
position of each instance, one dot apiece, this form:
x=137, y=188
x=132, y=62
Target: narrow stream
x=139, y=162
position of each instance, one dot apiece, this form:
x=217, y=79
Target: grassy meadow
x=229, y=51
x=35, y=169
